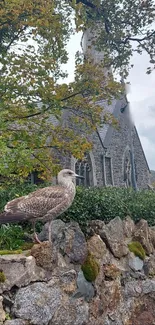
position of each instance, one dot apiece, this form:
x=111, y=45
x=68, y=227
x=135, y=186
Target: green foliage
x=8, y=193
x=2, y=277
x=90, y=268
x=136, y=248
x=11, y=237
x=33, y=39
x=123, y=27
x=90, y=203
x=108, y=203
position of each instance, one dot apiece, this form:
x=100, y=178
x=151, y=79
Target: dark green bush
x=108, y=203
x=96, y=203
x=11, y=192
x=12, y=235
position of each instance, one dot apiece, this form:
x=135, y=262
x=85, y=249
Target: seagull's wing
x=36, y=204
x=49, y=192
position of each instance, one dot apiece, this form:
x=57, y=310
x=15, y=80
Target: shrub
x=91, y=203
x=11, y=237
x=108, y=203
x=12, y=192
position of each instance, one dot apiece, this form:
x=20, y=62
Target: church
x=117, y=157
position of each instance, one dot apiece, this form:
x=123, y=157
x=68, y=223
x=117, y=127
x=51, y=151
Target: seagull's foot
x=36, y=238
x=50, y=232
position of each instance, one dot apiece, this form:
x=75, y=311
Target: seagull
x=44, y=204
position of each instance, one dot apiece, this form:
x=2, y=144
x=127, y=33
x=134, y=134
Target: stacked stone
x=48, y=285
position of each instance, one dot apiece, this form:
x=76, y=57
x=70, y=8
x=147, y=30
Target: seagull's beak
x=78, y=176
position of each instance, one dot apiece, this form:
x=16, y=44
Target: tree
x=125, y=27
x=33, y=38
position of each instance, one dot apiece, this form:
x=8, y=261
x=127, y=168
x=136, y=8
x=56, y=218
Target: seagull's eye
x=69, y=173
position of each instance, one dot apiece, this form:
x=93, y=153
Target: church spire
x=90, y=46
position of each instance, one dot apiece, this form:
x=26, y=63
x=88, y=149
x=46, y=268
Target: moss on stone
x=2, y=277
x=27, y=246
x=8, y=252
x=90, y=268
x=136, y=248
x=7, y=316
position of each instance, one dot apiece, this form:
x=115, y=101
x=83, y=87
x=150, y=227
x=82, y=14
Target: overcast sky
x=142, y=102
x=141, y=97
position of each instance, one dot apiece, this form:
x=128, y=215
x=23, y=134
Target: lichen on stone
x=90, y=268
x=2, y=277
x=136, y=248
x=111, y=272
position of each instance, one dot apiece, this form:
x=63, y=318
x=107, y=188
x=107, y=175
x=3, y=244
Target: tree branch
x=35, y=148
x=41, y=162
x=137, y=39
x=42, y=112
x=86, y=3
x=16, y=37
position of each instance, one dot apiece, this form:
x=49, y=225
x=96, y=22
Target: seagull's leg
x=34, y=232
x=50, y=231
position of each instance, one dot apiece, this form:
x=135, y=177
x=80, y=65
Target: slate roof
x=115, y=109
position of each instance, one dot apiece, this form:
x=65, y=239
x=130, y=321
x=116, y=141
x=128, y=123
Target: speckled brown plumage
x=43, y=204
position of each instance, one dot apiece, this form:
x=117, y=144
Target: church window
x=136, y=174
x=108, y=171
x=35, y=179
x=83, y=168
x=127, y=169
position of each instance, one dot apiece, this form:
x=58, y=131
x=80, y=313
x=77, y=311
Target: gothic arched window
x=83, y=168
x=127, y=169
x=35, y=179
x=130, y=169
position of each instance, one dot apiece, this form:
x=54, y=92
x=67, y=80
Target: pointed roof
x=116, y=108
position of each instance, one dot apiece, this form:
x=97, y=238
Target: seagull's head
x=66, y=176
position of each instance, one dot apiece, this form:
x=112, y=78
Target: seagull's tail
x=8, y=217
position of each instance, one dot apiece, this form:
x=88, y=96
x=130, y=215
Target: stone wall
x=47, y=285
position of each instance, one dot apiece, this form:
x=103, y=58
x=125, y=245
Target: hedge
x=90, y=203
x=108, y=203
x=98, y=203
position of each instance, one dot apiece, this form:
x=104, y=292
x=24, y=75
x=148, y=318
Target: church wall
x=119, y=144
x=98, y=153
x=143, y=174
